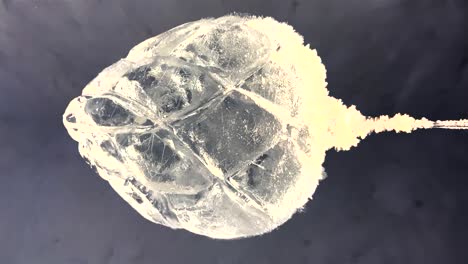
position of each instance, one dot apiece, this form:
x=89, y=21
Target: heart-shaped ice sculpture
x=218, y=126
x=201, y=127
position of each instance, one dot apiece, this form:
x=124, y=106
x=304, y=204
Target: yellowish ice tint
x=287, y=80
x=331, y=123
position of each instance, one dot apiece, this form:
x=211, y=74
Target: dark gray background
x=396, y=198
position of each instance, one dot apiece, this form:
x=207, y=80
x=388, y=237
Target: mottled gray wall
x=397, y=198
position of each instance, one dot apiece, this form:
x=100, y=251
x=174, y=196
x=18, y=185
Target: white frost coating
x=219, y=126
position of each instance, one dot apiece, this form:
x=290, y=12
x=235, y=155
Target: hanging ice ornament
x=219, y=126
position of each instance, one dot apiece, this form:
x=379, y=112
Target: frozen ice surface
x=200, y=127
x=230, y=133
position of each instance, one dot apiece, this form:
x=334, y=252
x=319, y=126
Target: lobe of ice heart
x=331, y=123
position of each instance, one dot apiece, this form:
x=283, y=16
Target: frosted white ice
x=219, y=126
x=201, y=127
